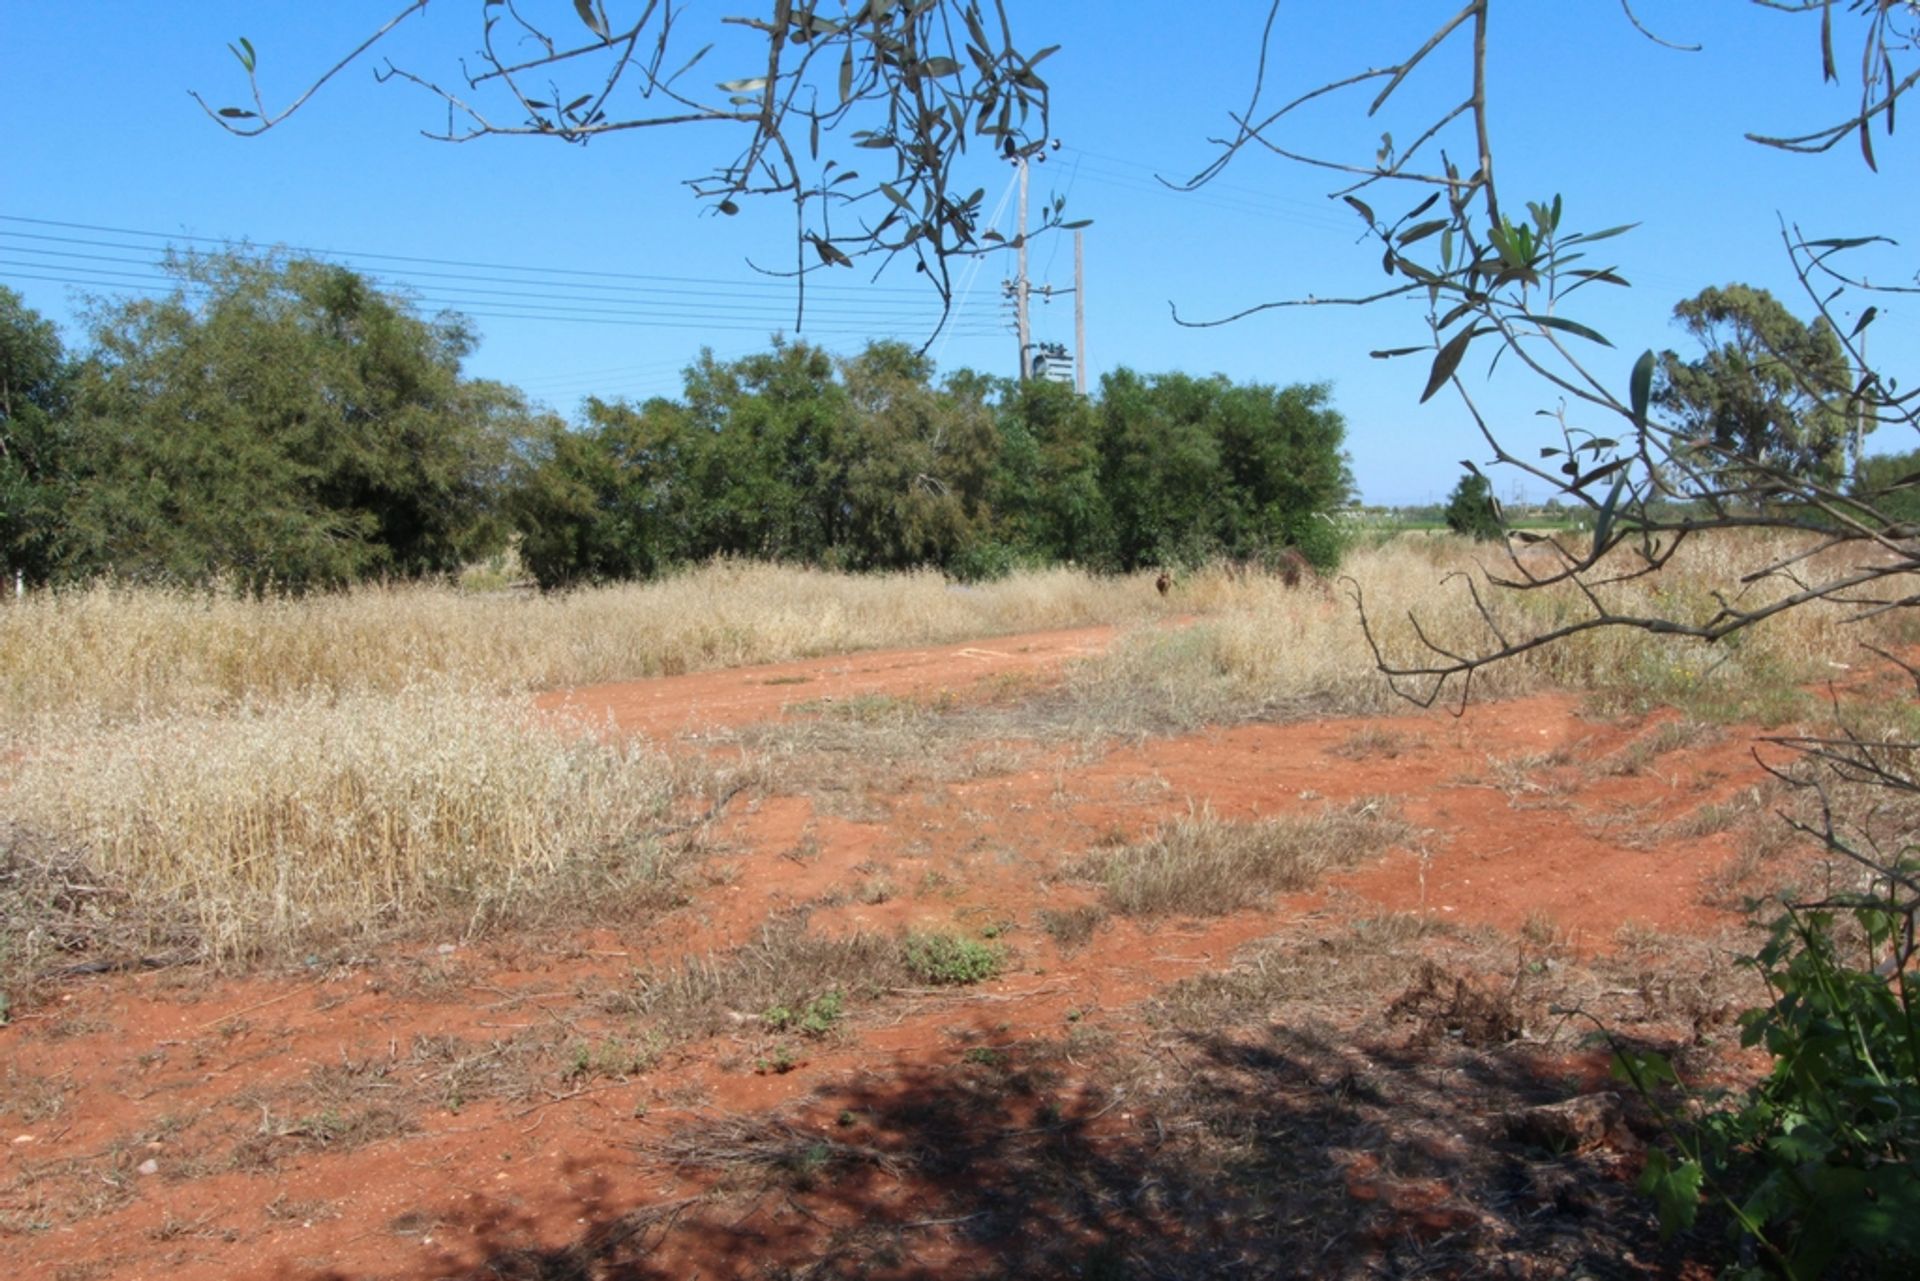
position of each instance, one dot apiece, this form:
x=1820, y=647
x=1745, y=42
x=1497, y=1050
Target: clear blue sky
x=101, y=133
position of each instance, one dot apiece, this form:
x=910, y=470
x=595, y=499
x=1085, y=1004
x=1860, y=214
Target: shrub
x=951, y=960
x=816, y=1018
x=1815, y=1162
x=1471, y=510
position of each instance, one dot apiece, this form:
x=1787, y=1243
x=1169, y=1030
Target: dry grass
x=318, y=816
x=1267, y=650
x=757, y=1152
x=1363, y=958
x=1668, y=736
x=786, y=968
x=1201, y=865
x=256, y=772
x=117, y=653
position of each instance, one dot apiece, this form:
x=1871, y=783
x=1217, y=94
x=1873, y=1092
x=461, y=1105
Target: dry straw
x=1264, y=649
x=118, y=653
x=283, y=769
x=318, y=817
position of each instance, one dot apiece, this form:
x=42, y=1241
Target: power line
x=729, y=291
x=1152, y=174
x=1267, y=209
x=306, y=251
x=621, y=317
x=554, y=294
x=465, y=297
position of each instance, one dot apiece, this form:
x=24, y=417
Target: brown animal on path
x=1163, y=582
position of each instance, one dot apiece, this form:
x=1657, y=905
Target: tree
x=816, y=92
x=1160, y=469
x=1048, y=497
x=1769, y=393
x=1287, y=470
x=1823, y=1157
x=1472, y=511
x=607, y=501
x=918, y=462
x=280, y=421
x=1199, y=467
x=766, y=465
x=33, y=388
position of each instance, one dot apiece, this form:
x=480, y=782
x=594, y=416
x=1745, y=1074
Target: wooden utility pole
x=1079, y=311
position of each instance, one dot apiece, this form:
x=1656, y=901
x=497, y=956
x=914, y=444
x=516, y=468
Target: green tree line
x=281, y=423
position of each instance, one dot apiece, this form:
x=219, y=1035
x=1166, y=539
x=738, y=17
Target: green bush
x=951, y=960
x=1814, y=1164
x=816, y=1018
x=986, y=562
x=1323, y=540
x=1471, y=510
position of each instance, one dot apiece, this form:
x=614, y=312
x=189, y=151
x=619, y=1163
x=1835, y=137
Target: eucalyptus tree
x=1767, y=393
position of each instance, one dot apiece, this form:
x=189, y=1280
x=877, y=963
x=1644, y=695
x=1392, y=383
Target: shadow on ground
x=1276, y=1152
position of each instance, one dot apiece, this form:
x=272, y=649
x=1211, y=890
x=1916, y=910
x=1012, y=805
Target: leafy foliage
x=1471, y=509
x=815, y=92
x=34, y=375
x=918, y=463
x=1767, y=396
x=1817, y=1162
x=951, y=960
x=816, y=1018
x=597, y=503
x=278, y=422
x=1199, y=467
x=1892, y=482
x=863, y=463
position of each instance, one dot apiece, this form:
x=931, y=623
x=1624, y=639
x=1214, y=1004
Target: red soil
x=740, y=695
x=182, y=1123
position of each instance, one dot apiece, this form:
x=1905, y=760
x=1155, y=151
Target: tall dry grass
x=1261, y=648
x=319, y=817
x=285, y=769
x=280, y=770
x=115, y=653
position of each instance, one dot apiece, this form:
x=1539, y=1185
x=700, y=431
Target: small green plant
x=781, y=1061
x=816, y=1018
x=951, y=960
x=611, y=1057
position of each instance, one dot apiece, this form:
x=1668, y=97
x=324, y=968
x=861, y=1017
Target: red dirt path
x=739, y=695
x=231, y=1094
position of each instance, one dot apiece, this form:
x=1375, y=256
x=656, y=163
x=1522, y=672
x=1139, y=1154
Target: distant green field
x=1418, y=525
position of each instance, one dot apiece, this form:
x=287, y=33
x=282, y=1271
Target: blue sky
x=102, y=135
